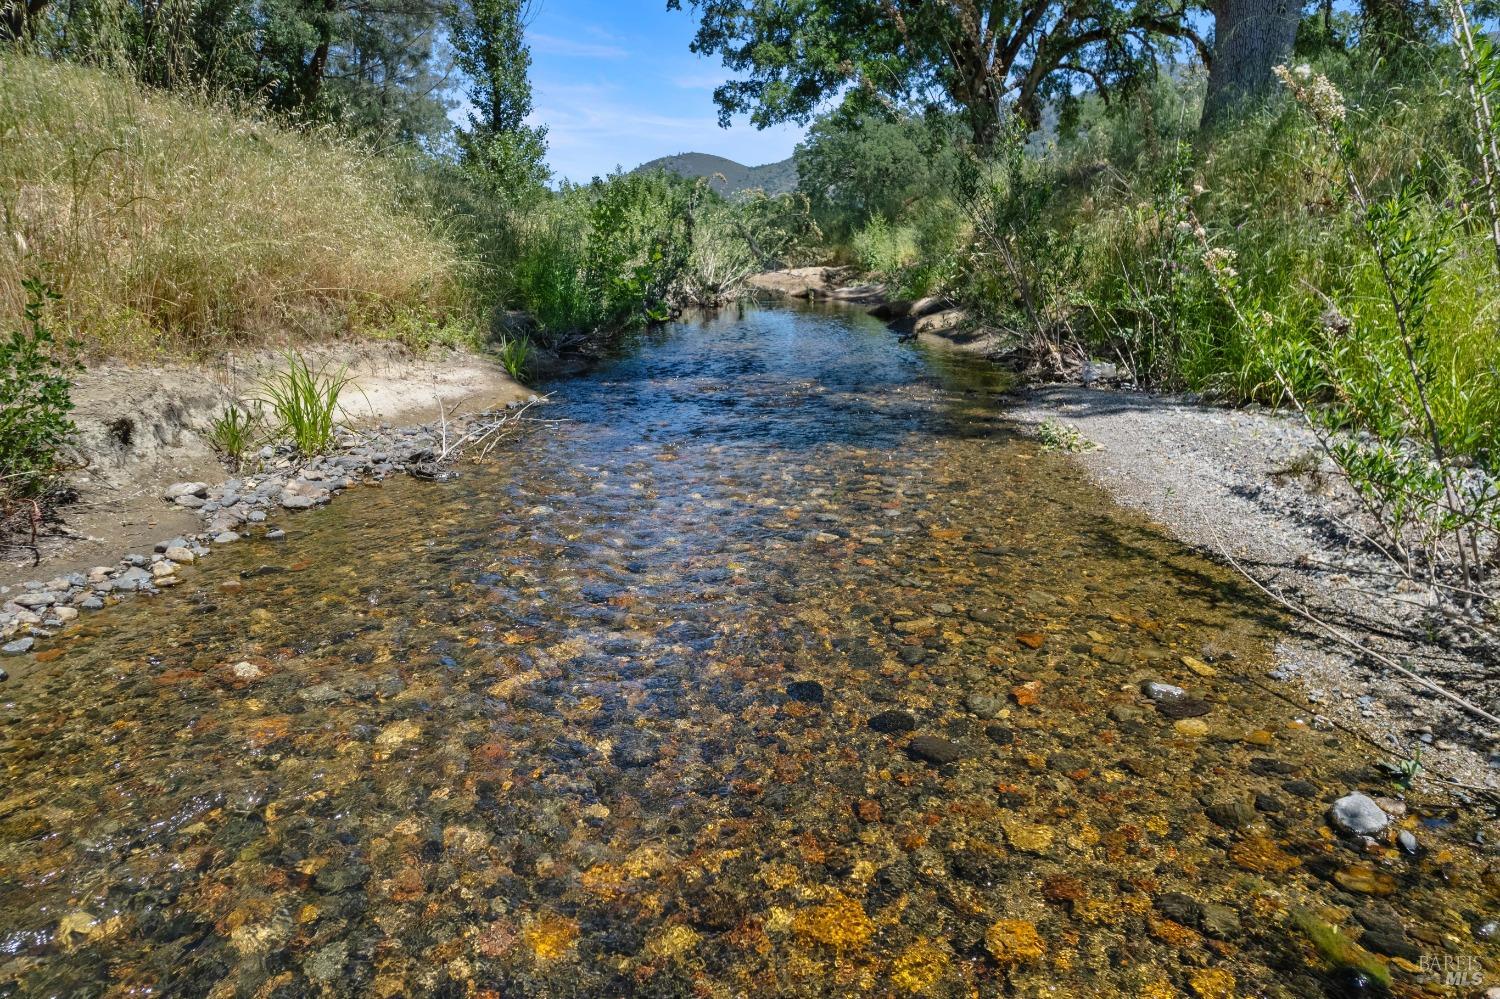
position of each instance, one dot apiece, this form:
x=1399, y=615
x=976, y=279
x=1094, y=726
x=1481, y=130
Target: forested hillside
x=725, y=175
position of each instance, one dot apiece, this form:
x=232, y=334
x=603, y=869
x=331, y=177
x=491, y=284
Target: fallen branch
x=1339, y=635
x=482, y=432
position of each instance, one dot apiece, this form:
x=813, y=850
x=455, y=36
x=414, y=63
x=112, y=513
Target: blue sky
x=616, y=85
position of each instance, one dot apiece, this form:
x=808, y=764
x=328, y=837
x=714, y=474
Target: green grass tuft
x=234, y=432
x=515, y=356
x=304, y=402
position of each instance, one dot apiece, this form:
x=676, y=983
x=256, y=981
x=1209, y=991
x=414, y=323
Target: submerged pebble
x=1357, y=815
x=893, y=722
x=934, y=749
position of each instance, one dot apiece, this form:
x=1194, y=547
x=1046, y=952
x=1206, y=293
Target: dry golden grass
x=171, y=225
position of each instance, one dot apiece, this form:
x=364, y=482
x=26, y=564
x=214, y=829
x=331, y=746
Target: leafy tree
x=979, y=58
x=368, y=65
x=17, y=18
x=1391, y=28
x=498, y=146
x=386, y=79
x=853, y=169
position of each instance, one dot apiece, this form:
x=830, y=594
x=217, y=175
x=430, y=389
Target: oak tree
x=499, y=148
x=984, y=58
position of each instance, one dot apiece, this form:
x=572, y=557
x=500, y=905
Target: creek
x=779, y=665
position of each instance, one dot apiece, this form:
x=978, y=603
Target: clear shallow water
x=549, y=730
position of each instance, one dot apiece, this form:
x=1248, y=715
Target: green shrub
x=35, y=401
x=635, y=246
x=599, y=257
x=1057, y=436
x=884, y=250
x=1091, y=237
x=732, y=240
x=1379, y=386
x=630, y=249
x=855, y=170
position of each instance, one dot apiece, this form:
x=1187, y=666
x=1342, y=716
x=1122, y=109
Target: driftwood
x=480, y=434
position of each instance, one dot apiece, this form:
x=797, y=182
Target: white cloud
x=571, y=48
x=598, y=31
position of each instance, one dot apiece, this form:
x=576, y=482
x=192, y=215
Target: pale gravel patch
x=1209, y=476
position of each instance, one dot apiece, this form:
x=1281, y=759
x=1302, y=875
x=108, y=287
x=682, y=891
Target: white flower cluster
x=1220, y=261
x=1315, y=92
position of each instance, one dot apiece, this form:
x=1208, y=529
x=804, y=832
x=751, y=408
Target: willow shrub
x=1112, y=246
x=599, y=257
x=1331, y=252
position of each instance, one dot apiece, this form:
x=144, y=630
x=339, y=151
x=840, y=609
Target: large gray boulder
x=1357, y=815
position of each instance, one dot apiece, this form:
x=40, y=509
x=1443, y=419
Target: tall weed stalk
x=1481, y=67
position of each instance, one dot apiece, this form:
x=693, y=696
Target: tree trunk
x=984, y=129
x=1250, y=38
x=974, y=90
x=312, y=74
x=12, y=21
x=16, y=17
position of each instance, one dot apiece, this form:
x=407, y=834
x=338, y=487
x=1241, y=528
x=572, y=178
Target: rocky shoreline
x=934, y=318
x=247, y=505
x=1252, y=486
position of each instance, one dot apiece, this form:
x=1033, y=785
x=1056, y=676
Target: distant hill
x=773, y=178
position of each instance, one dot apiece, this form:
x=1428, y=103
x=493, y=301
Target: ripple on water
x=778, y=669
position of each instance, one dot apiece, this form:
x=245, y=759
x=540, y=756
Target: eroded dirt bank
x=145, y=427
